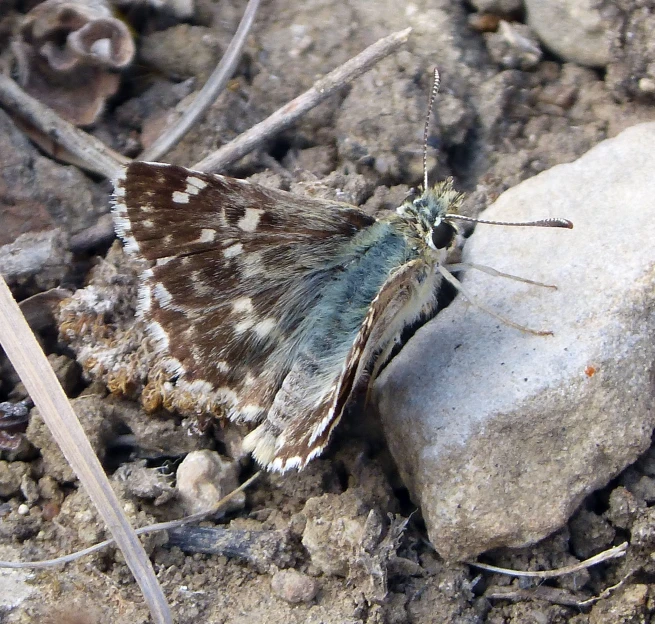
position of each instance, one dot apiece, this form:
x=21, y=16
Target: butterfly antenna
x=554, y=222
x=436, y=81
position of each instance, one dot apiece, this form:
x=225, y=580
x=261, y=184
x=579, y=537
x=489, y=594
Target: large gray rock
x=499, y=434
x=574, y=29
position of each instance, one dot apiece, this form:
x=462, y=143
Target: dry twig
x=553, y=595
x=92, y=154
x=295, y=109
x=208, y=94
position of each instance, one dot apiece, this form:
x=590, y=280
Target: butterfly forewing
x=236, y=295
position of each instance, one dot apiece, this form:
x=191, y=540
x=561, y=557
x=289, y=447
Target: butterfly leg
x=450, y=278
x=462, y=266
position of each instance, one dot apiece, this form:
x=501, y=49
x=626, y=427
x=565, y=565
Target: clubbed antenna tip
x=553, y=222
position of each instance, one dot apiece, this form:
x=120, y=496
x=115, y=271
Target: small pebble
x=50, y=510
x=23, y=509
x=293, y=586
x=204, y=478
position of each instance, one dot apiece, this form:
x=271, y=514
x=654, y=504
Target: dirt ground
x=341, y=541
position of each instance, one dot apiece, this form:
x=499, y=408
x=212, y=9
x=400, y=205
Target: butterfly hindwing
x=287, y=442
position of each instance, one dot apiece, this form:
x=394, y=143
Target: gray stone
x=181, y=50
x=204, y=478
x=499, y=434
x=11, y=476
x=42, y=204
x=573, y=29
x=334, y=531
x=42, y=256
x=100, y=424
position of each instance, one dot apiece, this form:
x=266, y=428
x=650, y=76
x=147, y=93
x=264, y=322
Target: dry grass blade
x=611, y=553
x=89, y=153
x=208, y=94
x=295, y=109
x=30, y=363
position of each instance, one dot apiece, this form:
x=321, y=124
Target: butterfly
x=278, y=306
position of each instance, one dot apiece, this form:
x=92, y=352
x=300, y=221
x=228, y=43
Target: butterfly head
x=430, y=216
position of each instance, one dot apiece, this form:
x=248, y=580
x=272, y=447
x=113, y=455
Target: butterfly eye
x=443, y=235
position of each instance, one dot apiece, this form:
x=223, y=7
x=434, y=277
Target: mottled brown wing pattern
x=235, y=269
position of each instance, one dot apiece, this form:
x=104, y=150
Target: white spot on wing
x=131, y=246
x=180, y=198
x=233, y=250
x=249, y=380
x=251, y=265
x=123, y=225
x=242, y=304
x=145, y=299
x=313, y=453
x=322, y=426
x=283, y=465
x=222, y=366
x=194, y=185
x=227, y=394
x=261, y=443
x=244, y=325
x=249, y=412
x=159, y=336
x=162, y=295
x=249, y=221
x=265, y=327
x=119, y=183
x=173, y=366
x=197, y=386
x=207, y=235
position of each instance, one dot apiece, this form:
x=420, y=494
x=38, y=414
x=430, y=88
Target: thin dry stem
x=35, y=371
x=612, y=553
x=208, y=94
x=291, y=112
x=553, y=595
